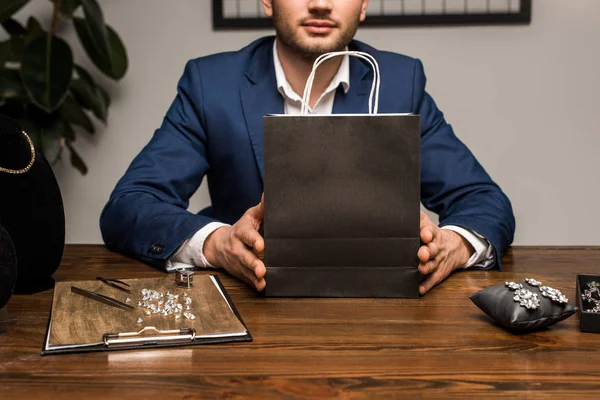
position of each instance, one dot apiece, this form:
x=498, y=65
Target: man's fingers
x=434, y=249
x=258, y=211
x=251, y=238
x=432, y=279
x=428, y=252
x=259, y=269
x=423, y=254
x=428, y=267
x=260, y=285
x=261, y=207
x=251, y=262
x=427, y=235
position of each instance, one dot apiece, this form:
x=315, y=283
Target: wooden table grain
x=437, y=346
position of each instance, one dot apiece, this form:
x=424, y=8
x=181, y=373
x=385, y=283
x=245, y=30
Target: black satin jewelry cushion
x=8, y=267
x=497, y=302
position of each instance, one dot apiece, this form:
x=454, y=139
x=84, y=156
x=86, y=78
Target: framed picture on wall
x=246, y=14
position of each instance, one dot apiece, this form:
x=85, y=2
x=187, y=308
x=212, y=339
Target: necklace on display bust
x=22, y=170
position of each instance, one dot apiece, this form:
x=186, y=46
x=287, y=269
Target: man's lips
x=319, y=26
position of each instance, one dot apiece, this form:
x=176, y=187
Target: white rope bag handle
x=373, y=102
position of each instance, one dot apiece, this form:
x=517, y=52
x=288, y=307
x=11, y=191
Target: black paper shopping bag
x=342, y=195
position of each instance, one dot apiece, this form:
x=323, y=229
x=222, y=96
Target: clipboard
x=79, y=324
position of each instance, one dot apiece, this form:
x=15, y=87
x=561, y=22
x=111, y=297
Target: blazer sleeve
x=453, y=183
x=146, y=215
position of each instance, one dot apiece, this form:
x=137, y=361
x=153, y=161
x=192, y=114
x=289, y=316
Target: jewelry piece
x=513, y=285
x=22, y=170
x=165, y=304
x=533, y=282
x=588, y=295
x=553, y=294
x=527, y=299
x=184, y=278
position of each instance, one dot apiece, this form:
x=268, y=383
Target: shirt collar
x=342, y=77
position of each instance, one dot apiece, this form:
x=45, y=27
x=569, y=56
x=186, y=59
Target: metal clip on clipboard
x=140, y=338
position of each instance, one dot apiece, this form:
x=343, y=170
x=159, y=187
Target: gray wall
x=524, y=98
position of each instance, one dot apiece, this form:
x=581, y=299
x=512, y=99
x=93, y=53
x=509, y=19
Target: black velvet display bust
x=8, y=267
x=31, y=209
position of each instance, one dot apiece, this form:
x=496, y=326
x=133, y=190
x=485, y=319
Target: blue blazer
x=214, y=129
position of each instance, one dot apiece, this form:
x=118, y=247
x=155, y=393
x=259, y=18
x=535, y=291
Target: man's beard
x=288, y=36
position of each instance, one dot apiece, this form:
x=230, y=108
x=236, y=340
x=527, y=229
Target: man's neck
x=298, y=68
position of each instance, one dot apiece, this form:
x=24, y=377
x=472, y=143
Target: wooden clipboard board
x=79, y=324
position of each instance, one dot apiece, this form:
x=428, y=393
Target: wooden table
x=439, y=345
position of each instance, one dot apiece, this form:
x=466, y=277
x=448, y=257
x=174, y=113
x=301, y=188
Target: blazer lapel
x=260, y=97
x=357, y=98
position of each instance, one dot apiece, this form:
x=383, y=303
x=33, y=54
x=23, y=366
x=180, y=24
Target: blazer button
x=156, y=248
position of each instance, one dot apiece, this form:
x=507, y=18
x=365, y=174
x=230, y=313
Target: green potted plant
x=43, y=87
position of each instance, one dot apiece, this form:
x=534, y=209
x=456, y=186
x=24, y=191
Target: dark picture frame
x=523, y=17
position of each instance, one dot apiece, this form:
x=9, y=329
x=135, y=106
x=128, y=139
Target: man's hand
x=233, y=248
x=442, y=252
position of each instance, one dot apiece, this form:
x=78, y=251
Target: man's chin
x=314, y=50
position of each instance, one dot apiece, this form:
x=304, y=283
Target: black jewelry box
x=588, y=321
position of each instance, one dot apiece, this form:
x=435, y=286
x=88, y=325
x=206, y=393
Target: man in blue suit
x=214, y=128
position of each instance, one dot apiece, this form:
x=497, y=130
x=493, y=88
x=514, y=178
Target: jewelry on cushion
x=553, y=294
x=533, y=282
x=531, y=301
x=527, y=299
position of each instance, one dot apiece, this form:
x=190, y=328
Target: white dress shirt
x=191, y=251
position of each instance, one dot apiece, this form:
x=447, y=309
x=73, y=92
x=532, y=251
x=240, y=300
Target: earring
x=524, y=297
x=553, y=294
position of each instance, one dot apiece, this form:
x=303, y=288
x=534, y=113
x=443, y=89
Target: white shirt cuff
x=190, y=253
x=483, y=256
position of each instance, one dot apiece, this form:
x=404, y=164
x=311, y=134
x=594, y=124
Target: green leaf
x=68, y=7
x=9, y=7
x=89, y=98
x=71, y=112
x=118, y=54
x=105, y=96
x=68, y=133
x=84, y=75
x=34, y=29
x=48, y=133
x=10, y=84
x=52, y=139
x=90, y=95
x=76, y=160
x=94, y=23
x=114, y=66
x=46, y=70
x=14, y=27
